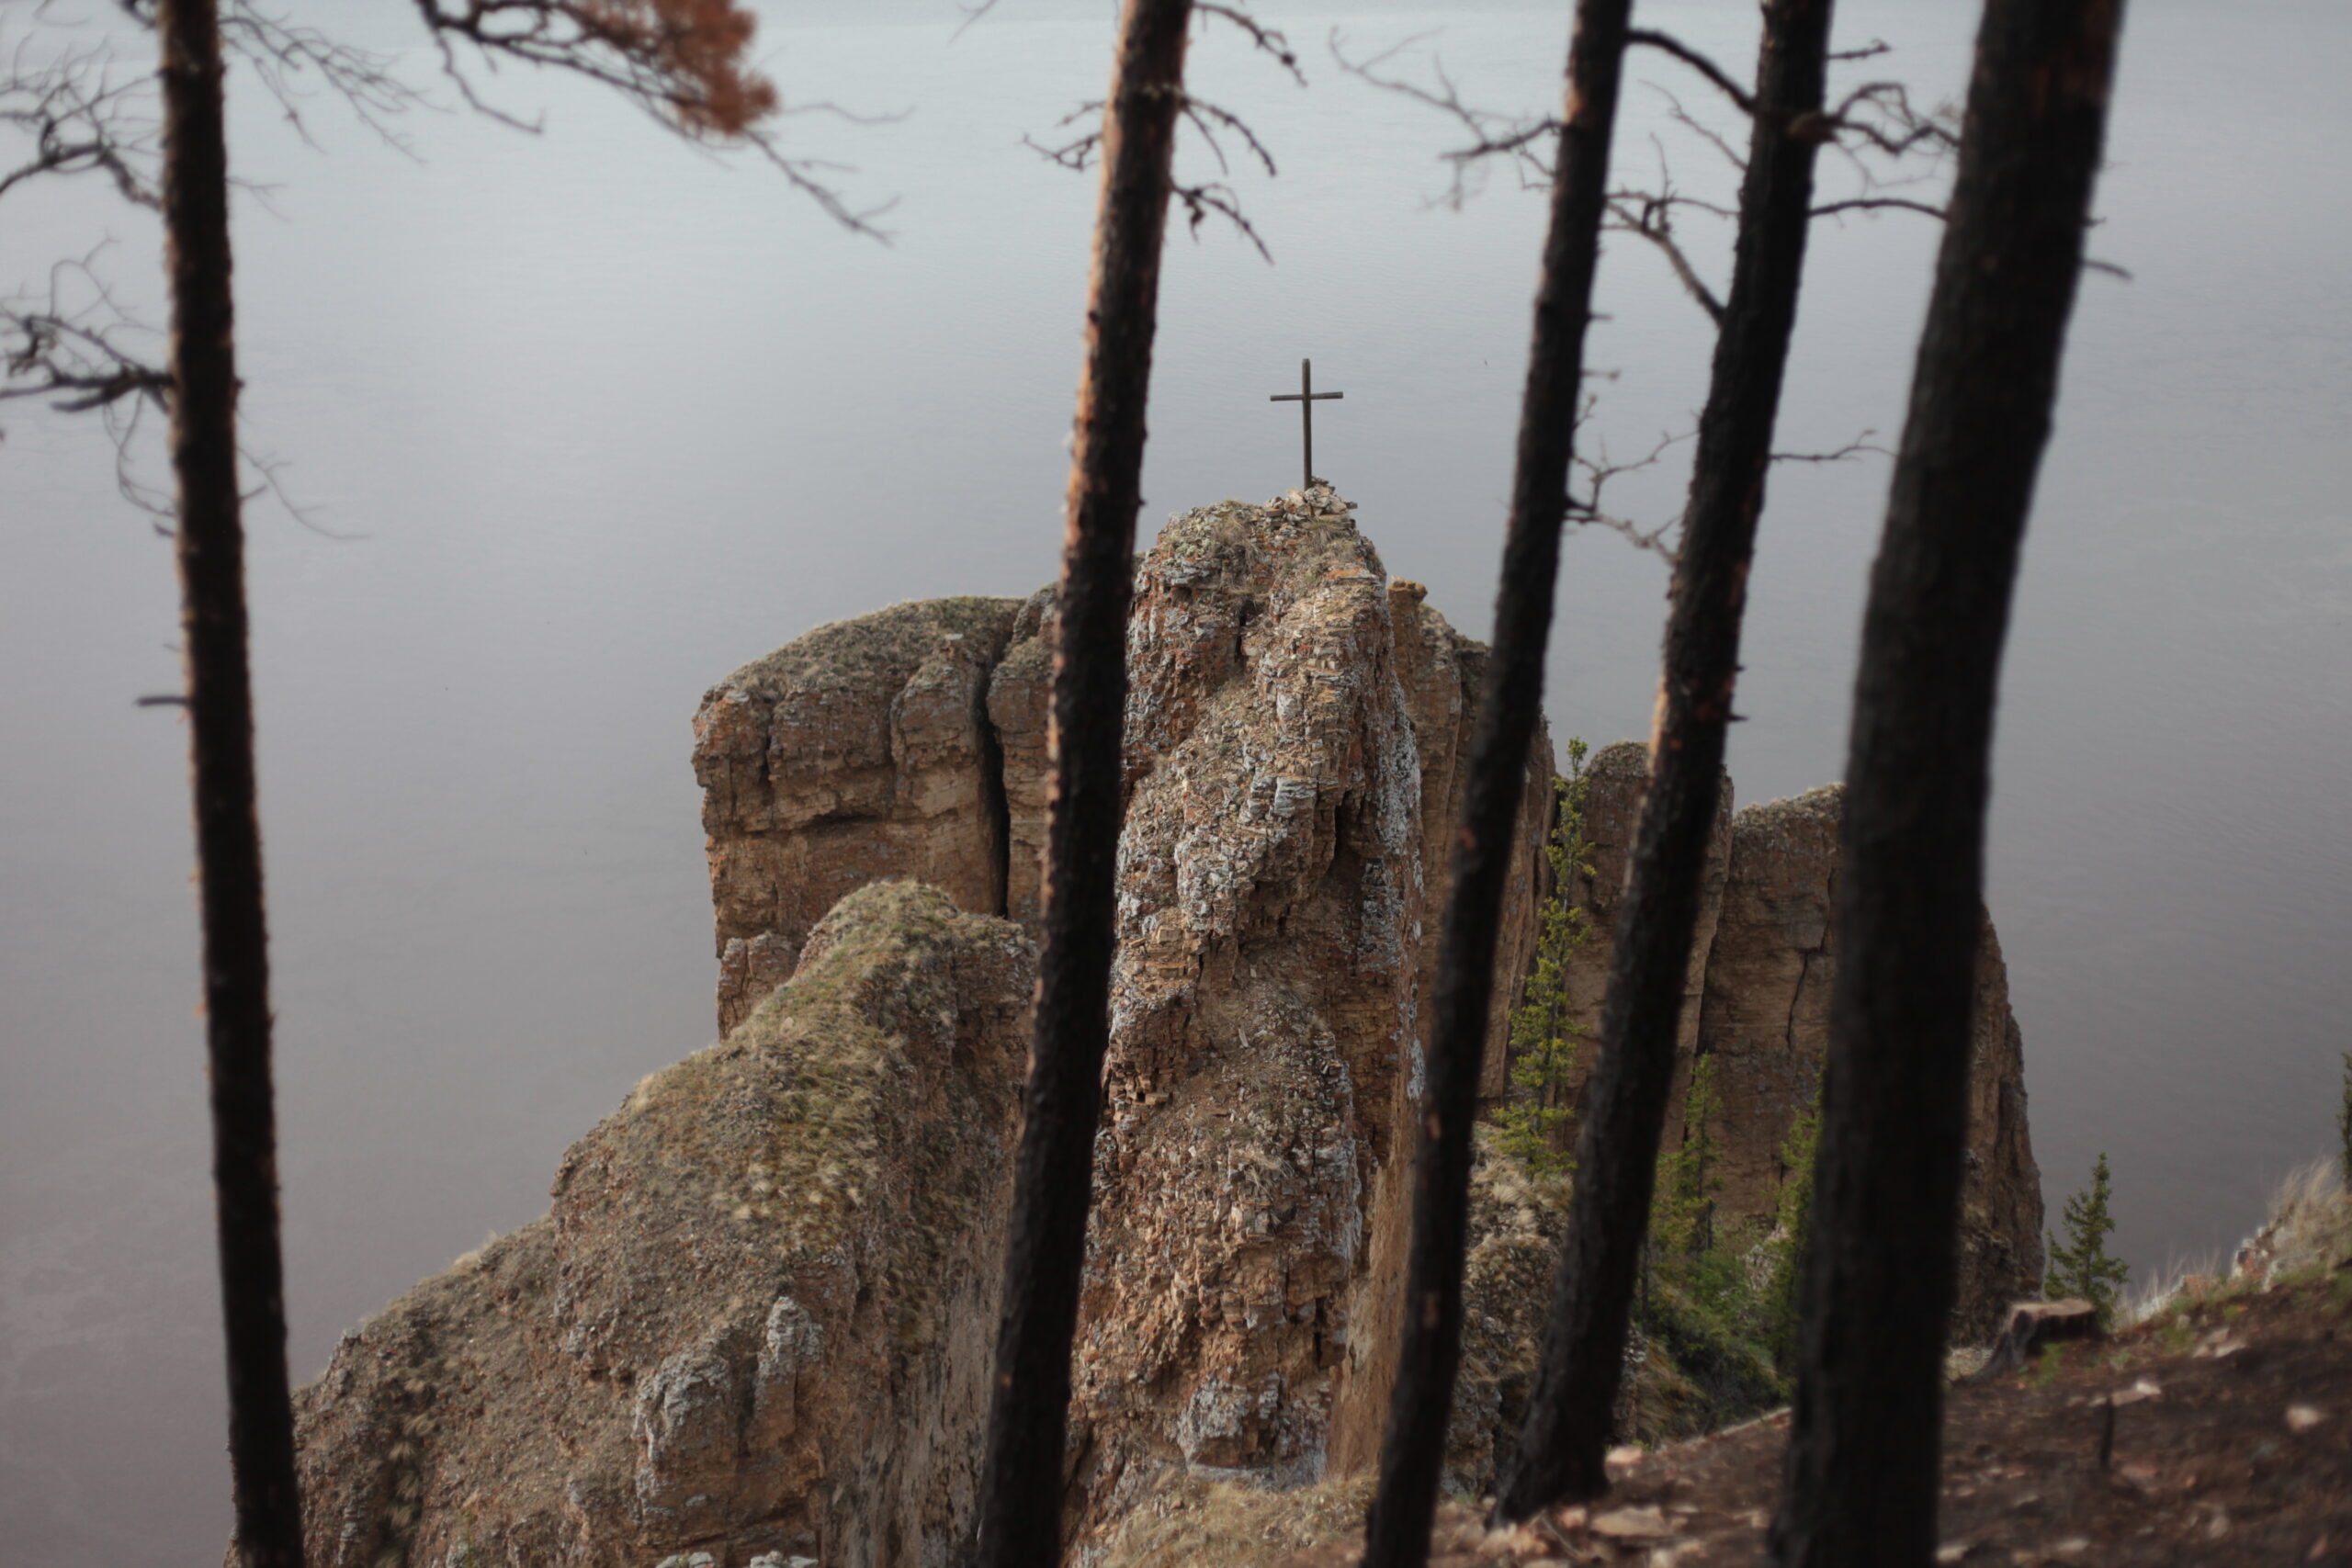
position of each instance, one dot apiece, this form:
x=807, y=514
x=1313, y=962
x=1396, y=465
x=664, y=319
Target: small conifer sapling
x=2082, y=1266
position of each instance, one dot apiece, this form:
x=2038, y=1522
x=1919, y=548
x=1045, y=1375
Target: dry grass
x=2308, y=1232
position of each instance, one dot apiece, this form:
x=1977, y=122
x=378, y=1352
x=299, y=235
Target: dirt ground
x=2232, y=1444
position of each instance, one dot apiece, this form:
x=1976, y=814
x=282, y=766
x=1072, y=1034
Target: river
x=580, y=420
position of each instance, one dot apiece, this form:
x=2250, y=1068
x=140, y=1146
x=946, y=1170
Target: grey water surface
x=581, y=420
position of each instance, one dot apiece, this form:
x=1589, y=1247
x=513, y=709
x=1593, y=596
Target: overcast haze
x=607, y=418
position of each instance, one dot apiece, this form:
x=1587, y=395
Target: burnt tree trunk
x=1021, y=1479
x=220, y=754
x=1575, y=1393
x=1413, y=1445
x=1859, y=1489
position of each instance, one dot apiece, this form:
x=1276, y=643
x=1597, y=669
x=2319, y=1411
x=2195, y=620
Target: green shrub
x=1791, y=1234
x=1545, y=1033
x=2344, y=1122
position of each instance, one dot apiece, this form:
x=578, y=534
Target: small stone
x=1953, y=1551
x=1626, y=1453
x=2074, y=1546
x=2144, y=1388
x=1631, y=1524
x=2303, y=1417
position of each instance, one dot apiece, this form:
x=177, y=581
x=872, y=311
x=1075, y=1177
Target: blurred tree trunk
x=1575, y=1393
x=1413, y=1445
x=1861, y=1477
x=220, y=747
x=1021, y=1479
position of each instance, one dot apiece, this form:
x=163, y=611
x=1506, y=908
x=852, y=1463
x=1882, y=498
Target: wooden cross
x=1306, y=396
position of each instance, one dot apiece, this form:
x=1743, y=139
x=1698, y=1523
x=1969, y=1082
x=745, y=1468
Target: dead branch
x=1268, y=42
x=1206, y=199
x=1846, y=453
x=1666, y=43
x=81, y=113
x=1520, y=138
x=1650, y=215
x=683, y=62
x=1598, y=470
x=1876, y=204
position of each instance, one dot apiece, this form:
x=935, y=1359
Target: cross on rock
x=1306, y=396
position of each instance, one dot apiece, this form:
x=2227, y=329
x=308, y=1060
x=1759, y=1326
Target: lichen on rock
x=757, y=1318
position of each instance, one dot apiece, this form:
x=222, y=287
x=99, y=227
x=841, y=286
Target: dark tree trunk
x=1574, y=1394
x=1413, y=1445
x=221, y=747
x=1859, y=1489
x=1022, y=1480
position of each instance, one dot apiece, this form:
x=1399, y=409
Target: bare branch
x=1875, y=204
x=1699, y=129
x=681, y=61
x=81, y=114
x=1599, y=470
x=1652, y=217
x=1205, y=201
x=1668, y=44
x=1209, y=119
x=293, y=61
x=1268, y=41
x=1846, y=453
x=1518, y=138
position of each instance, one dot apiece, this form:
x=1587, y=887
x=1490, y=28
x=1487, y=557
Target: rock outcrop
x=756, y=1323
x=858, y=753
x=1759, y=1006
x=1293, y=732
x=755, y=1330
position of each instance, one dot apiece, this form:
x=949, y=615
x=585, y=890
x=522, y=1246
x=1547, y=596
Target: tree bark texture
x=1022, y=1480
x=1396, y=1532
x=1574, y=1394
x=221, y=747
x=1861, y=1484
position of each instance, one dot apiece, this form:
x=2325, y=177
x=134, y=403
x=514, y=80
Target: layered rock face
x=860, y=753
x=757, y=1321
x=1759, y=1006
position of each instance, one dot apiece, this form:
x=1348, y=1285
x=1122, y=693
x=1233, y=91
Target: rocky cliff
x=1293, y=732
x=1759, y=1004
x=754, y=1330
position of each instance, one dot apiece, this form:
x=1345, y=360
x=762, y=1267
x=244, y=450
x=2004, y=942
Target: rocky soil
x=2219, y=1433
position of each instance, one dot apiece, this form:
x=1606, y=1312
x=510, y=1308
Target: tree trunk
x=1859, y=1490
x=1021, y=1479
x=1413, y=1445
x=1574, y=1394
x=221, y=747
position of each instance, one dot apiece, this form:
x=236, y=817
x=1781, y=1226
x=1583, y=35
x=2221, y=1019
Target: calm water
x=610, y=418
